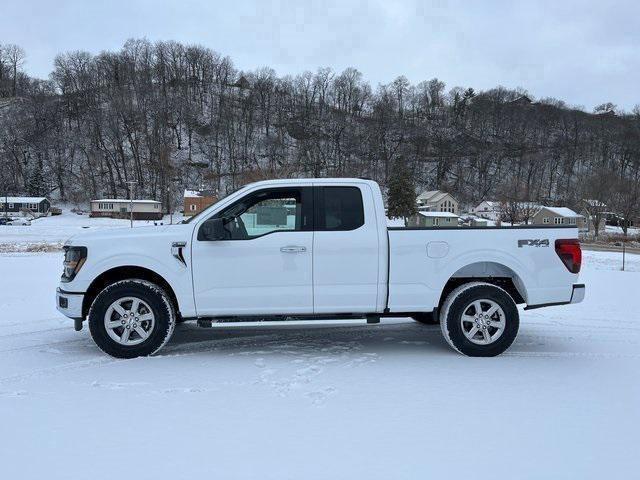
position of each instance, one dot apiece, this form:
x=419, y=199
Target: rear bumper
x=577, y=295
x=69, y=303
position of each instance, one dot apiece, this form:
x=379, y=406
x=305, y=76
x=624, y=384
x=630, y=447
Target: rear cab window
x=338, y=208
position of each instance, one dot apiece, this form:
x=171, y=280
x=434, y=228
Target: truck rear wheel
x=479, y=319
x=131, y=318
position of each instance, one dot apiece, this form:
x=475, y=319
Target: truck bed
x=423, y=259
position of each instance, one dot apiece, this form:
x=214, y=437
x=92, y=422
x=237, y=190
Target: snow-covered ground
x=322, y=401
x=55, y=230
x=618, y=230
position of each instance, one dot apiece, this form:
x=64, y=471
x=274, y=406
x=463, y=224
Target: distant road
x=597, y=247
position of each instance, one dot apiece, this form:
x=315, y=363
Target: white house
x=122, y=208
x=494, y=210
x=488, y=209
x=437, y=201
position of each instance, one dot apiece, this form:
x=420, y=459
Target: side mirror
x=212, y=230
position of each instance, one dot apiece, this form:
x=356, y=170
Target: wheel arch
x=125, y=272
x=492, y=272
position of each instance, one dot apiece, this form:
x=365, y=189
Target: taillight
x=570, y=253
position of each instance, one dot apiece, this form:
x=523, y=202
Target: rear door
x=345, y=249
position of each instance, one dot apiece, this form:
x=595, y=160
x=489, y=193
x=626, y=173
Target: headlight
x=74, y=258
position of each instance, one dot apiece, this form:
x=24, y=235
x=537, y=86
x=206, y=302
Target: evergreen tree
x=401, y=192
x=37, y=183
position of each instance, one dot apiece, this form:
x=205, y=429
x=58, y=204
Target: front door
x=265, y=264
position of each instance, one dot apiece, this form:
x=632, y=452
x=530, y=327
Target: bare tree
x=2, y=68
x=597, y=193
x=15, y=57
x=515, y=204
x=151, y=112
x=626, y=200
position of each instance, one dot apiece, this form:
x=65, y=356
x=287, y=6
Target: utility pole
x=131, y=183
x=170, y=209
x=170, y=189
x=624, y=242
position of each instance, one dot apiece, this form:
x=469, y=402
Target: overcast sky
x=585, y=53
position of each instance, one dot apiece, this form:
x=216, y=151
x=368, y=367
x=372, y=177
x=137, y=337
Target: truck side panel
x=422, y=261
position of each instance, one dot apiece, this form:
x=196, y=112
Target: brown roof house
x=195, y=201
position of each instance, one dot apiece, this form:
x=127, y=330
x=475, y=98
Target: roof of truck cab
x=289, y=181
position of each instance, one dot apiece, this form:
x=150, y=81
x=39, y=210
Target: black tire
x=455, y=305
x=428, y=318
x=160, y=305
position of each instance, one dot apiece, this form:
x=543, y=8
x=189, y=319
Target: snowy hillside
x=320, y=401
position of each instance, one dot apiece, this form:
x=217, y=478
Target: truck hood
x=130, y=234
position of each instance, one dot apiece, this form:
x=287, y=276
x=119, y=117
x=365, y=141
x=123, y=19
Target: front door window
x=264, y=212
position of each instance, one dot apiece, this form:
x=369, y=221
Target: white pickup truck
x=313, y=248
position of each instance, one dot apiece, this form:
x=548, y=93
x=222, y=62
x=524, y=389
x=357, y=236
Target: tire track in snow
x=47, y=344
x=607, y=355
x=79, y=365
x=34, y=332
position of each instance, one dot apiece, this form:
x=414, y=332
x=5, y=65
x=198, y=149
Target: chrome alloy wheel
x=483, y=321
x=129, y=321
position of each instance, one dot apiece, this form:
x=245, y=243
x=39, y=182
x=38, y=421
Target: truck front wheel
x=479, y=319
x=131, y=318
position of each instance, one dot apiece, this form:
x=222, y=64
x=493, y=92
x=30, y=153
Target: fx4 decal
x=537, y=242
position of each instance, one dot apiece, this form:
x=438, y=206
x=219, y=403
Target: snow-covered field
x=322, y=401
x=55, y=230
x=618, y=230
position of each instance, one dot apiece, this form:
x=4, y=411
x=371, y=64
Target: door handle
x=293, y=249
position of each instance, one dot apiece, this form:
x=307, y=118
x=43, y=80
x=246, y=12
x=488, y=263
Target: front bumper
x=69, y=303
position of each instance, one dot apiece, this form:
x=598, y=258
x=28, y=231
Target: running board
x=207, y=322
